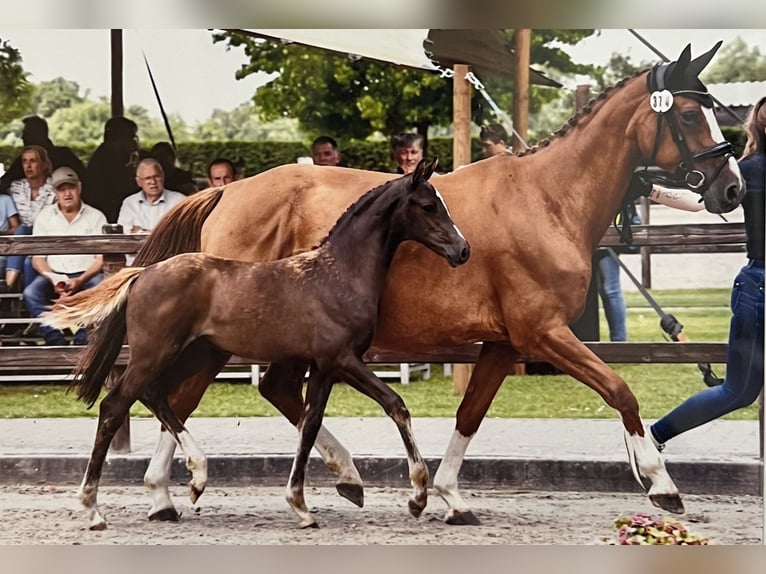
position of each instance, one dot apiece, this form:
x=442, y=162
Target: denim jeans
x=744, y=363
x=611, y=297
x=38, y=297
x=22, y=263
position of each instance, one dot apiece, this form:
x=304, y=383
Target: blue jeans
x=744, y=363
x=611, y=297
x=40, y=294
x=22, y=263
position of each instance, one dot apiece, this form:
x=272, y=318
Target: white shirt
x=51, y=221
x=21, y=193
x=136, y=210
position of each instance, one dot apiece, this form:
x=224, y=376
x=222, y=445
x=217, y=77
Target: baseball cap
x=64, y=175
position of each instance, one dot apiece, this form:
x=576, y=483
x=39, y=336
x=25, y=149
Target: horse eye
x=691, y=117
x=429, y=208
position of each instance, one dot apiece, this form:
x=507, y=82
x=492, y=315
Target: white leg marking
x=445, y=480
x=157, y=476
x=196, y=462
x=336, y=457
x=645, y=460
x=88, y=498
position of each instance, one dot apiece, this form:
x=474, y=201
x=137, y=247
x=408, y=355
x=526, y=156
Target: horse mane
x=358, y=207
x=586, y=110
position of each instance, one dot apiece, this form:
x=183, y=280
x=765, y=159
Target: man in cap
x=64, y=274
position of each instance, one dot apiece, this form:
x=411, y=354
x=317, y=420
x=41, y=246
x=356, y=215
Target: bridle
x=661, y=101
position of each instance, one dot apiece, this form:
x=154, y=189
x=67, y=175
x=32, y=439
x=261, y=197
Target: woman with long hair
x=744, y=362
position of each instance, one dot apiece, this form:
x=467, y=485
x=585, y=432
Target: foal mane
x=586, y=110
x=360, y=206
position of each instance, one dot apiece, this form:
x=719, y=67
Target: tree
x=15, y=89
x=354, y=98
x=243, y=124
x=56, y=94
x=736, y=62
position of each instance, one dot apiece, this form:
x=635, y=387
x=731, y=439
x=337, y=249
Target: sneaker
x=660, y=446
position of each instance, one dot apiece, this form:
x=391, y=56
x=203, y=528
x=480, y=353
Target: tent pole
x=118, y=107
x=521, y=39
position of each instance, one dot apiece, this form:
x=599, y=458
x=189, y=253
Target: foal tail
x=103, y=307
x=180, y=230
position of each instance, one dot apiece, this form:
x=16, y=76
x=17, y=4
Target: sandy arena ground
x=259, y=515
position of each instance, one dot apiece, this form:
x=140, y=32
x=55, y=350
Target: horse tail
x=104, y=307
x=180, y=230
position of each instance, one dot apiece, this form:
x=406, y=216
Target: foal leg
x=317, y=393
x=493, y=365
x=281, y=385
x=207, y=362
x=367, y=383
x=112, y=411
x=196, y=461
x=564, y=350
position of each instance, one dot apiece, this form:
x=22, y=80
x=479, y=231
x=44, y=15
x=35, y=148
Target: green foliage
x=15, y=89
x=736, y=62
x=55, y=94
x=353, y=99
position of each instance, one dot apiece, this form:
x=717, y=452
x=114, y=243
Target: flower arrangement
x=643, y=529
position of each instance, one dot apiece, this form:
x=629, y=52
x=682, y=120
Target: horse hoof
x=670, y=502
x=352, y=492
x=195, y=493
x=165, y=515
x=309, y=524
x=417, y=505
x=98, y=526
x=457, y=518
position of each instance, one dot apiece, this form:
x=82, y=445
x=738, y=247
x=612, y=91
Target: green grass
x=704, y=314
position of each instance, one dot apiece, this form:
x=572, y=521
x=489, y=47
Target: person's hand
x=138, y=229
x=72, y=286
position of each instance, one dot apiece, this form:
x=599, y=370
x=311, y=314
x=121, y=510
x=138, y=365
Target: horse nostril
x=465, y=253
x=733, y=193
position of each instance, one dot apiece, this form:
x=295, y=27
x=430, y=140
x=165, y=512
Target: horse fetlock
x=95, y=520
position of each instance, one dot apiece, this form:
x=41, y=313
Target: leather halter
x=685, y=175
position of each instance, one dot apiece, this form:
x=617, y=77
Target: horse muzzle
x=458, y=255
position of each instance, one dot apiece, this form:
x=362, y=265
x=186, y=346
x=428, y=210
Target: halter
x=661, y=99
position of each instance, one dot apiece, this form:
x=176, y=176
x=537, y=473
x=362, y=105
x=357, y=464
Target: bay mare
x=533, y=219
x=317, y=308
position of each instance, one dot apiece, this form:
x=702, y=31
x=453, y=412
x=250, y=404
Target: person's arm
x=677, y=198
x=74, y=285
x=13, y=223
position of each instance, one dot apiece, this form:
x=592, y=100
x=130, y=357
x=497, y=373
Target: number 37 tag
x=661, y=101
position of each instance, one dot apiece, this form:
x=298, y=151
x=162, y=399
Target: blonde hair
x=755, y=126
x=42, y=157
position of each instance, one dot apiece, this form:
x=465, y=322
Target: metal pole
x=118, y=106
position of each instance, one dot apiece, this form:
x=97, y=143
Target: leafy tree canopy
x=736, y=62
x=15, y=89
x=332, y=93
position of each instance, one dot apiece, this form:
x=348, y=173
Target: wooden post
x=118, y=106
x=461, y=155
x=113, y=262
x=521, y=85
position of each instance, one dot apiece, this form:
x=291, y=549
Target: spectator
x=35, y=132
x=407, y=151
x=111, y=169
x=176, y=179
x=494, y=140
x=30, y=195
x=9, y=221
x=64, y=274
x=744, y=360
x=324, y=151
x=221, y=171
x=610, y=288
x=141, y=211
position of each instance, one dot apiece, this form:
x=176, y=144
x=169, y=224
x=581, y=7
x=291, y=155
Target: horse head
x=427, y=219
x=676, y=130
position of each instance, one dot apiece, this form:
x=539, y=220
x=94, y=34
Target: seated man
x=64, y=274
x=141, y=211
x=221, y=171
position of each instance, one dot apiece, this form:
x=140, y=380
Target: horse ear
x=418, y=175
x=430, y=168
x=699, y=63
x=684, y=58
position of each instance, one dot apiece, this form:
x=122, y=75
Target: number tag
x=661, y=101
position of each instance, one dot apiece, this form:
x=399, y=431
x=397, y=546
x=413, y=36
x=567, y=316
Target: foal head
x=420, y=214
